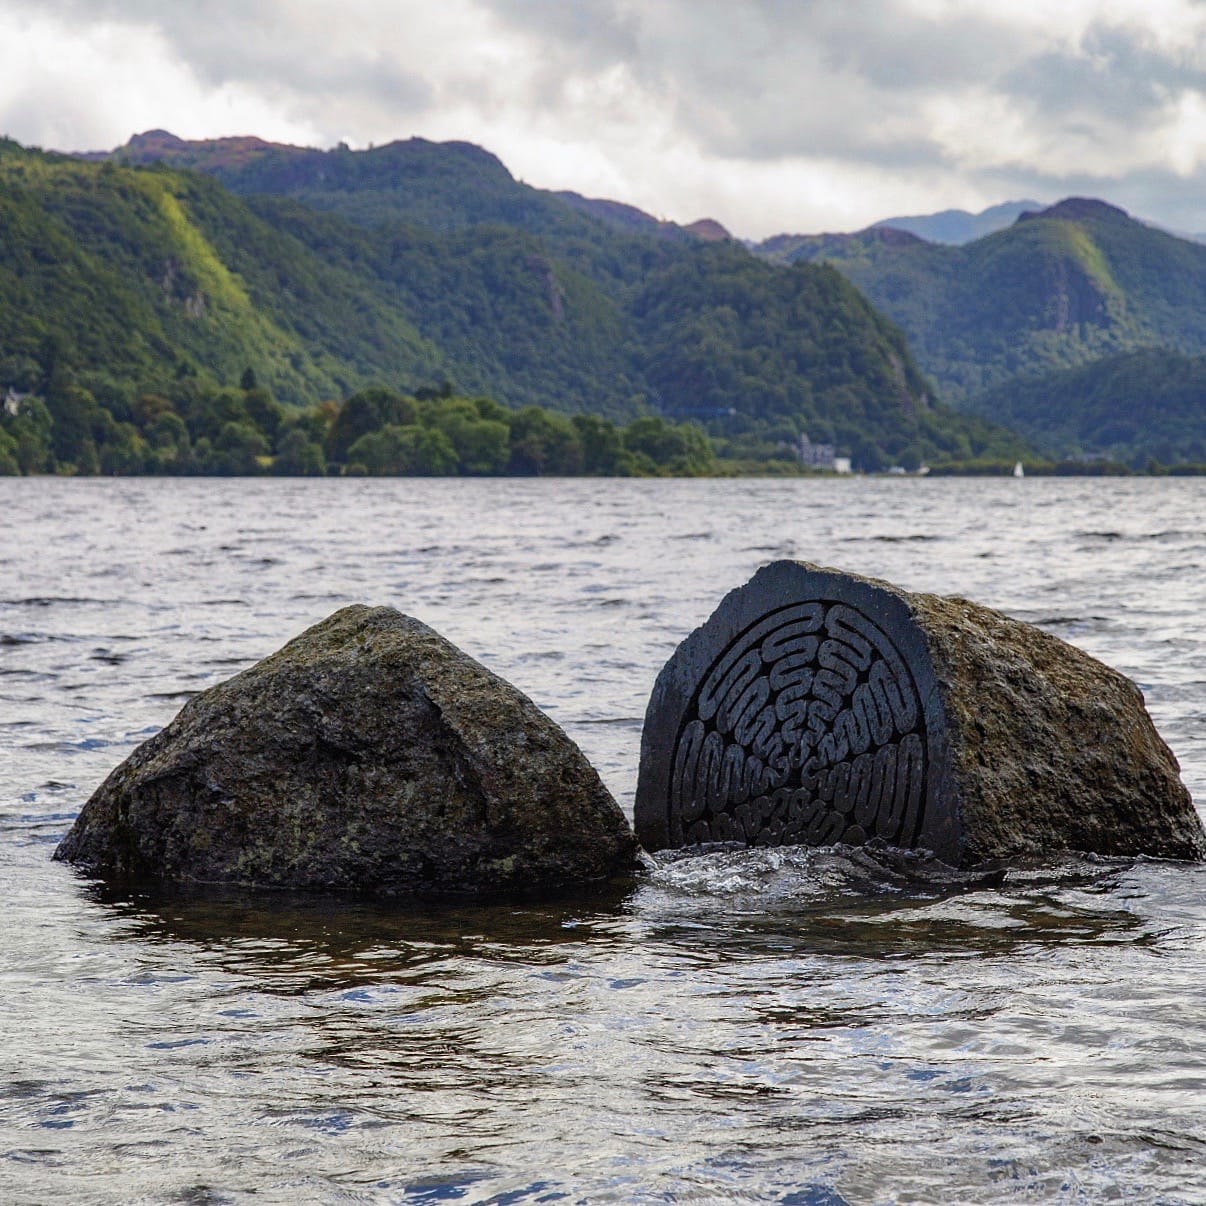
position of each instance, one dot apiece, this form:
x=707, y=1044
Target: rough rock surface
x=369, y=755
x=815, y=707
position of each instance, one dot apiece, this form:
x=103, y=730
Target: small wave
x=56, y=600
x=70, y=747
x=909, y=539
x=623, y=721
x=14, y=820
x=786, y=873
x=1171, y=534
x=598, y=542
x=1069, y=625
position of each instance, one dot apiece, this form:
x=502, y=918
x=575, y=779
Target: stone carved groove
x=808, y=728
x=815, y=706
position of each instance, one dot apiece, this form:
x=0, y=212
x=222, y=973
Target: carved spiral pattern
x=808, y=729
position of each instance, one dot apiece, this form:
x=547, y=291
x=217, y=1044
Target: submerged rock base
x=816, y=707
x=367, y=755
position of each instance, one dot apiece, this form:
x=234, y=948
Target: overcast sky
x=769, y=115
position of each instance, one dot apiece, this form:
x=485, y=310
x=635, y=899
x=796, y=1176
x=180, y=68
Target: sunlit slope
x=140, y=274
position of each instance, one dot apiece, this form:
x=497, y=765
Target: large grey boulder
x=368, y=755
x=816, y=707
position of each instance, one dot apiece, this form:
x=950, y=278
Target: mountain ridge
x=1061, y=287
x=573, y=315
x=958, y=226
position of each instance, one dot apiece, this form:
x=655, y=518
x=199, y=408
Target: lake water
x=762, y=1026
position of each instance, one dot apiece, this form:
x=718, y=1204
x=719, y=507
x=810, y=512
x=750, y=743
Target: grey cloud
x=771, y=77
x=594, y=32
x=758, y=82
x=268, y=47
x=902, y=52
x=760, y=79
x=1115, y=77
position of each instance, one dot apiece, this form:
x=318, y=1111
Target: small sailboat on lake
x=1018, y=471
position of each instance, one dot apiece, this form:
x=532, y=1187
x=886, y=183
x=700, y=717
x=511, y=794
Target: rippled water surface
x=769, y=1025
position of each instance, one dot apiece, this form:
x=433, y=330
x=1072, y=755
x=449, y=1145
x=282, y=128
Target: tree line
x=194, y=428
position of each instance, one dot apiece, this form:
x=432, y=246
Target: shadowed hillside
x=1057, y=289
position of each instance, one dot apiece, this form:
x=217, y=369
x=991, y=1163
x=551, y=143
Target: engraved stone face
x=803, y=712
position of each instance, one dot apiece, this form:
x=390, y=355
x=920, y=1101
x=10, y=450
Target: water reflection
x=735, y=904
x=304, y=941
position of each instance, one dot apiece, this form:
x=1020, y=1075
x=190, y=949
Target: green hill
x=123, y=280
x=137, y=277
x=438, y=185
x=1127, y=408
x=1057, y=289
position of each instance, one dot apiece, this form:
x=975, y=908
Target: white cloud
x=766, y=114
x=89, y=87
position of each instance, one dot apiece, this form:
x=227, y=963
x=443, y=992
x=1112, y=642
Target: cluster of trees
x=380, y=432
x=197, y=429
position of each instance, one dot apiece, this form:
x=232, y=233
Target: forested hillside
x=1132, y=408
x=120, y=281
x=1057, y=289
x=129, y=279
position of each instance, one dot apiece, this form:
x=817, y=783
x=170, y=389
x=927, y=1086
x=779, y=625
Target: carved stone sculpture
x=817, y=707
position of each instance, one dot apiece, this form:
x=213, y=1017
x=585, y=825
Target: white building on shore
x=820, y=456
